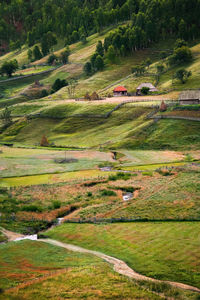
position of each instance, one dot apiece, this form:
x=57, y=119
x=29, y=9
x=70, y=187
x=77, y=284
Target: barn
x=189, y=97
x=120, y=91
x=151, y=87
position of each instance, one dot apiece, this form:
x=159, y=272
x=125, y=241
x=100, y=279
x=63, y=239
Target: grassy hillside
x=158, y=250
x=125, y=128
x=45, y=271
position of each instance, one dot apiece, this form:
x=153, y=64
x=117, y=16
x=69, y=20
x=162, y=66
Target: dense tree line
x=33, y=21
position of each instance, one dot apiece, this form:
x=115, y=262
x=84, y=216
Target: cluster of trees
x=62, y=58
x=37, y=54
x=6, y=117
x=73, y=20
x=9, y=67
x=96, y=62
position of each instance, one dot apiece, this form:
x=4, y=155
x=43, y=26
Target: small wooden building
x=151, y=87
x=120, y=91
x=189, y=97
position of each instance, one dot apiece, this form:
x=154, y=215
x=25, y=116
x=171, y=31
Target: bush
x=56, y=204
x=58, y=84
x=44, y=93
x=51, y=59
x=108, y=193
x=89, y=194
x=145, y=90
x=31, y=208
x=120, y=175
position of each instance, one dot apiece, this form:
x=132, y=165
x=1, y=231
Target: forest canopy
x=28, y=21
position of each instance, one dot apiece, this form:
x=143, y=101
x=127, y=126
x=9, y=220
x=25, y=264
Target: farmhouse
x=151, y=87
x=120, y=91
x=189, y=97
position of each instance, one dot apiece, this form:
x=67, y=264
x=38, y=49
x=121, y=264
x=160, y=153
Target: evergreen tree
x=99, y=48
x=87, y=68
x=111, y=54
x=36, y=53
x=99, y=63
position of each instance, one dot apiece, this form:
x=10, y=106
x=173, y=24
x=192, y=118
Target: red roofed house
x=120, y=91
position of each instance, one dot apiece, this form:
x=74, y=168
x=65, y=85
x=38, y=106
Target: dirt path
x=11, y=235
x=119, y=266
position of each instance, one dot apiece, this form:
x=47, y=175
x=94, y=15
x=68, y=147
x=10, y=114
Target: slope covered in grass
x=44, y=271
x=79, y=125
x=168, y=251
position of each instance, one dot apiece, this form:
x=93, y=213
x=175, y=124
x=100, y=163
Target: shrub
x=120, y=175
x=112, y=178
x=56, y=204
x=58, y=84
x=31, y=208
x=145, y=90
x=51, y=59
x=89, y=194
x=44, y=93
x=108, y=193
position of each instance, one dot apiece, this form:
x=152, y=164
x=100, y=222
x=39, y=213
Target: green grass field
x=45, y=271
x=168, y=251
x=126, y=128
x=20, y=162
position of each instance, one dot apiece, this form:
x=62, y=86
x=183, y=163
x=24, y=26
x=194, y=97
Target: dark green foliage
x=64, y=56
x=111, y=54
x=99, y=63
x=31, y=208
x=181, y=55
x=77, y=19
x=56, y=204
x=51, y=59
x=87, y=68
x=145, y=90
x=37, y=53
x=6, y=117
x=99, y=48
x=44, y=93
x=118, y=176
x=108, y=193
x=89, y=194
x=48, y=41
x=182, y=75
x=9, y=67
x=187, y=107
x=15, y=45
x=30, y=54
x=58, y=84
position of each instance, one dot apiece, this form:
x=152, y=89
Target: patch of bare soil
x=11, y=235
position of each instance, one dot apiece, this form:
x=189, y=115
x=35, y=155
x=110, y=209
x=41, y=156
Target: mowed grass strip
x=167, y=251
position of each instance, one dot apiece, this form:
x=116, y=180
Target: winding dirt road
x=118, y=265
